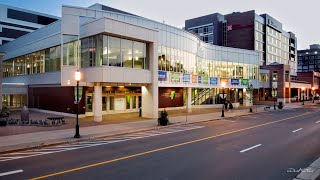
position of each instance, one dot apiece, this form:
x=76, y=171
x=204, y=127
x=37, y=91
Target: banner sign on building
x=162, y=76
x=235, y=82
x=170, y=97
x=213, y=80
x=245, y=82
x=225, y=80
x=175, y=77
x=186, y=78
x=194, y=79
x=199, y=79
x=205, y=80
x=80, y=93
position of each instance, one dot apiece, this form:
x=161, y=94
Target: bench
x=56, y=120
x=266, y=108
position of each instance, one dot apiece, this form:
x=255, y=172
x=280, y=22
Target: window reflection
x=114, y=52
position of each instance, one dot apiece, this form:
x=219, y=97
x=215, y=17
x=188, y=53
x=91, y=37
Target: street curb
x=311, y=173
x=42, y=145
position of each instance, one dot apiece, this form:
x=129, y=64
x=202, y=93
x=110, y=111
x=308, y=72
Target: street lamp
x=77, y=78
x=223, y=84
x=274, y=94
x=302, y=89
x=313, y=92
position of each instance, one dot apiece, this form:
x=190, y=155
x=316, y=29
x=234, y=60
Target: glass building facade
x=99, y=50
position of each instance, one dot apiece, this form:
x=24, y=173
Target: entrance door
x=240, y=96
x=104, y=103
x=89, y=102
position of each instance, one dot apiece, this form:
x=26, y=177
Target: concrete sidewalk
x=31, y=140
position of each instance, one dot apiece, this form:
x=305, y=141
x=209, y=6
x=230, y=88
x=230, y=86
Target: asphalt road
x=260, y=146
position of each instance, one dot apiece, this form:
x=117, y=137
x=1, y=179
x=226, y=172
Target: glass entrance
x=104, y=103
x=89, y=101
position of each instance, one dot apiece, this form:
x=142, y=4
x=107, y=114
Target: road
x=259, y=146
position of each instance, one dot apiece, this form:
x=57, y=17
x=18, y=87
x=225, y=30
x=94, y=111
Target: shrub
x=5, y=112
x=3, y=122
x=280, y=106
x=163, y=119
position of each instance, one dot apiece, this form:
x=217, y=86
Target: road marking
x=248, y=149
x=165, y=148
x=92, y=143
x=317, y=122
x=227, y=120
x=297, y=130
x=11, y=172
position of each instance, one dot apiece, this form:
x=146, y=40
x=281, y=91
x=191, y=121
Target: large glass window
x=105, y=51
x=70, y=53
x=114, y=52
x=126, y=50
x=52, y=59
x=91, y=51
x=139, y=50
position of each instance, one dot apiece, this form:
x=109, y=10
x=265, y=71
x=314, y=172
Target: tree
x=249, y=95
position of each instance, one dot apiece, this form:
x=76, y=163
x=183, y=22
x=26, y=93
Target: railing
x=201, y=96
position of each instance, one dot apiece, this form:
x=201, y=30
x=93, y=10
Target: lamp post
x=302, y=90
x=274, y=94
x=77, y=78
x=313, y=92
x=223, y=84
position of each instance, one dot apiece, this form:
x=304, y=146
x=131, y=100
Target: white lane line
x=317, y=122
x=250, y=148
x=87, y=144
x=297, y=130
x=11, y=172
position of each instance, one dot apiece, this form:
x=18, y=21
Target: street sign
x=223, y=96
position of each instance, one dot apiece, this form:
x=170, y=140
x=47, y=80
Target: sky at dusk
x=299, y=17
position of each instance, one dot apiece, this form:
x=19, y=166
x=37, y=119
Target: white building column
x=307, y=94
x=189, y=96
x=150, y=92
x=149, y=101
x=97, y=104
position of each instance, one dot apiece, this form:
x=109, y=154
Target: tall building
x=210, y=29
x=127, y=62
x=248, y=30
x=16, y=22
x=309, y=59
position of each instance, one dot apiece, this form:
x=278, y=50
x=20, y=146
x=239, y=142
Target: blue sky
x=300, y=17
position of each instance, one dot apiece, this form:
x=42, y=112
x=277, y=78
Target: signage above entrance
x=235, y=82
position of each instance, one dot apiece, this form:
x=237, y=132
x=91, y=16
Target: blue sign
x=235, y=82
x=186, y=78
x=199, y=79
x=213, y=80
x=162, y=76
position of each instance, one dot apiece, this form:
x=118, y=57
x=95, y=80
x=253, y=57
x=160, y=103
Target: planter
x=3, y=122
x=280, y=106
x=163, y=119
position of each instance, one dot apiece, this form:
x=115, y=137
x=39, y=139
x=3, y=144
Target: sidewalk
x=46, y=138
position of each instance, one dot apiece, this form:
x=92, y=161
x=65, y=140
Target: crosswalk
x=96, y=142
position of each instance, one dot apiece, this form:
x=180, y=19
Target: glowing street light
x=302, y=89
x=77, y=78
x=223, y=85
x=313, y=92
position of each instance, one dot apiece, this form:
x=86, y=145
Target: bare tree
x=249, y=95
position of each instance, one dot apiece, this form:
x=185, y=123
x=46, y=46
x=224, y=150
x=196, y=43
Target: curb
x=41, y=145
